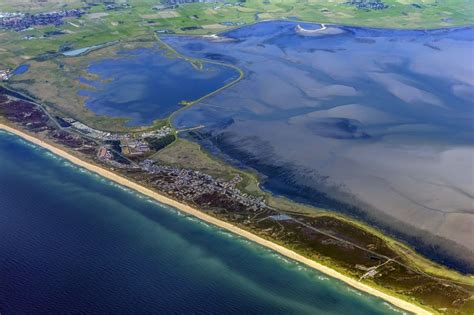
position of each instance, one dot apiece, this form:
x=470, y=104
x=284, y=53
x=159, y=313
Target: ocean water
x=71, y=241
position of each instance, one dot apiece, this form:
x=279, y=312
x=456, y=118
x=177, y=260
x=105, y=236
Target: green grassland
x=100, y=25
x=53, y=82
x=38, y=6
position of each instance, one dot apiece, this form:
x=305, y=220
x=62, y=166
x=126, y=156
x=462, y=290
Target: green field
x=101, y=25
x=53, y=82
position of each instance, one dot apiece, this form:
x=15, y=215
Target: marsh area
x=144, y=84
x=376, y=123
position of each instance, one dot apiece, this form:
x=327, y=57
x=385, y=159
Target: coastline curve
x=398, y=302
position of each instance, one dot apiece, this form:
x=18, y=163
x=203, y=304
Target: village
x=130, y=144
x=22, y=21
x=194, y=186
x=110, y=149
x=115, y=149
x=368, y=4
x=5, y=74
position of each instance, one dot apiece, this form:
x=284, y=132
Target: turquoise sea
x=71, y=241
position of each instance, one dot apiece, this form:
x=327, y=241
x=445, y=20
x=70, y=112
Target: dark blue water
x=21, y=69
x=71, y=241
x=144, y=85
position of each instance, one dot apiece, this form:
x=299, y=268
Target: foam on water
x=76, y=242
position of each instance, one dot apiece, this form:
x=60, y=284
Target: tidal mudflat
x=144, y=84
x=72, y=241
x=376, y=123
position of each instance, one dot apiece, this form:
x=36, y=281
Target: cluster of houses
x=91, y=132
x=178, y=2
x=5, y=75
x=130, y=144
x=104, y=153
x=114, y=159
x=191, y=185
x=134, y=146
x=21, y=21
x=186, y=184
x=368, y=4
x=109, y=136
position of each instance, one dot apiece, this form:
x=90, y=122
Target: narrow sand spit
x=222, y=224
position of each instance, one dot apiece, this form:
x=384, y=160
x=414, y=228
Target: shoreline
x=398, y=302
x=223, y=32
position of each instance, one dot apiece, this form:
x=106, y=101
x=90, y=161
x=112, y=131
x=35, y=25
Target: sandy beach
x=222, y=224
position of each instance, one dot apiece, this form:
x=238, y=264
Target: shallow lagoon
x=144, y=85
x=372, y=122
x=73, y=242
